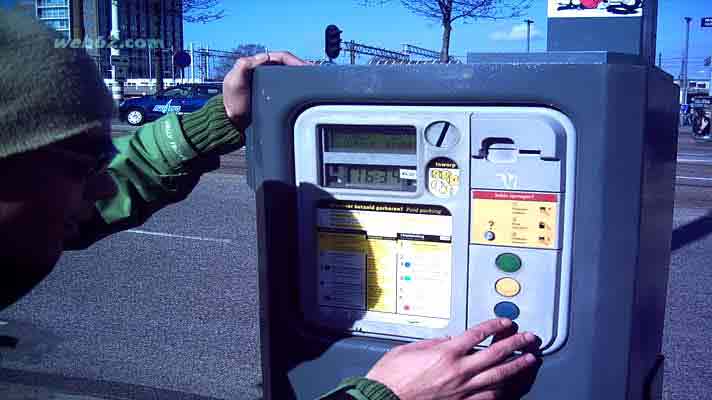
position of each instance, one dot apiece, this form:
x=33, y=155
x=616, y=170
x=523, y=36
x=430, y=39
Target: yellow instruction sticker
x=342, y=268
x=519, y=219
x=386, y=258
x=381, y=275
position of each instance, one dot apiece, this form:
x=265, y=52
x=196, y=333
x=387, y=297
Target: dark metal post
x=156, y=31
x=77, y=16
x=685, y=86
x=529, y=34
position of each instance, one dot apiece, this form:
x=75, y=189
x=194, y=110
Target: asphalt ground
x=169, y=310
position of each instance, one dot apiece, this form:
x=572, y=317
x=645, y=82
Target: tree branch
x=201, y=11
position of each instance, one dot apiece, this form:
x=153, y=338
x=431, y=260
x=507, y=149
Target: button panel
x=506, y=309
x=508, y=287
x=514, y=282
x=508, y=262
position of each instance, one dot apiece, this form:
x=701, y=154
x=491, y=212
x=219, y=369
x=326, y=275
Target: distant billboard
x=706, y=22
x=595, y=8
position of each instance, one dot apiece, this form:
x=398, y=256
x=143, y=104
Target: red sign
x=515, y=196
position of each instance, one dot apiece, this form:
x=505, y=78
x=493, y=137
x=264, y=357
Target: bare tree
x=202, y=11
x=447, y=12
x=227, y=60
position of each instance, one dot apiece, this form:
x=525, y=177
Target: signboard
x=701, y=101
x=595, y=8
x=706, y=22
x=181, y=59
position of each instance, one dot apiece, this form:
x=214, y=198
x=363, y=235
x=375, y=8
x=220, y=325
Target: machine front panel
x=418, y=222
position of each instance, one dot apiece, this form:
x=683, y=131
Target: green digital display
x=374, y=177
x=381, y=139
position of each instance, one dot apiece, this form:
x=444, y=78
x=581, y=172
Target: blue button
x=506, y=309
x=407, y=264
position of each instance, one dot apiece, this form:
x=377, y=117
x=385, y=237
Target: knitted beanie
x=47, y=93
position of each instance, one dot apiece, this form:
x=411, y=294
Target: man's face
x=45, y=193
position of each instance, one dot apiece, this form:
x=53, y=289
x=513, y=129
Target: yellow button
x=507, y=287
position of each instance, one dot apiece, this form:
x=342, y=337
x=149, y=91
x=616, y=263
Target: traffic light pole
x=332, y=41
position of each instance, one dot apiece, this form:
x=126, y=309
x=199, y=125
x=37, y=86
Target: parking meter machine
x=404, y=202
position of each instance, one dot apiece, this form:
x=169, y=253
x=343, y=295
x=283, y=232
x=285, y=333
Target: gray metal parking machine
x=403, y=202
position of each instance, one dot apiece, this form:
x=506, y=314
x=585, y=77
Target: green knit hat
x=47, y=94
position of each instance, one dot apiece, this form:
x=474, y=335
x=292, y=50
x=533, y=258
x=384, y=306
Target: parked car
x=179, y=99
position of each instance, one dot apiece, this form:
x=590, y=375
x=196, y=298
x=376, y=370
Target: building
x=25, y=6
x=135, y=23
x=696, y=88
x=54, y=13
x=135, y=29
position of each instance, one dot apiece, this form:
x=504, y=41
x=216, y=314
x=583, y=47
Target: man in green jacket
x=66, y=184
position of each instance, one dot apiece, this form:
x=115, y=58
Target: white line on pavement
x=140, y=232
x=695, y=154
x=694, y=178
x=694, y=161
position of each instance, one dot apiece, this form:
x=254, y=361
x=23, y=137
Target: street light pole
x=683, y=73
x=529, y=34
x=117, y=89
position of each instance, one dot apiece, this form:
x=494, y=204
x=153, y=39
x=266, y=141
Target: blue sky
x=298, y=26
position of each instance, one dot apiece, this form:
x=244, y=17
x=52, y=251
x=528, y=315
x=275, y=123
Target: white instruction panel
x=387, y=258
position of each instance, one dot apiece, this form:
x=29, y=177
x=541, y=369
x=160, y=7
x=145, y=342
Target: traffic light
x=332, y=41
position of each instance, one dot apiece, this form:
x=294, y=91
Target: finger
x=473, y=336
x=285, y=58
x=423, y=344
x=492, y=394
x=522, y=383
x=505, y=333
x=497, y=376
x=498, y=352
x=534, y=347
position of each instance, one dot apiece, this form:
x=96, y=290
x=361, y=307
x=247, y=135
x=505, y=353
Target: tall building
x=54, y=13
x=135, y=22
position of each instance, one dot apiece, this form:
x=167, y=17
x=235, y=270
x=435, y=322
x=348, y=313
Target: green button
x=508, y=262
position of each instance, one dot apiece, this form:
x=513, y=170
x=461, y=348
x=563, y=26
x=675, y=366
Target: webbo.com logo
x=108, y=43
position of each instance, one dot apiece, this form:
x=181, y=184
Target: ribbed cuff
x=375, y=390
x=209, y=129
x=360, y=388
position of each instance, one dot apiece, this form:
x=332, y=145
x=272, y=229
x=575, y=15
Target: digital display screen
x=369, y=139
x=376, y=177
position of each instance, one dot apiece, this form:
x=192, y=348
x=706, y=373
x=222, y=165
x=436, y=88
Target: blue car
x=179, y=99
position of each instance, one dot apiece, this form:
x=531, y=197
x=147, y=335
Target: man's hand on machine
x=237, y=83
x=448, y=368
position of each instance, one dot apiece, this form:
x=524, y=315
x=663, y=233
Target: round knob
x=442, y=134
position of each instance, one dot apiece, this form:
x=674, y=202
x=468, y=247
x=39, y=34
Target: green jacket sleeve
x=358, y=388
x=160, y=164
